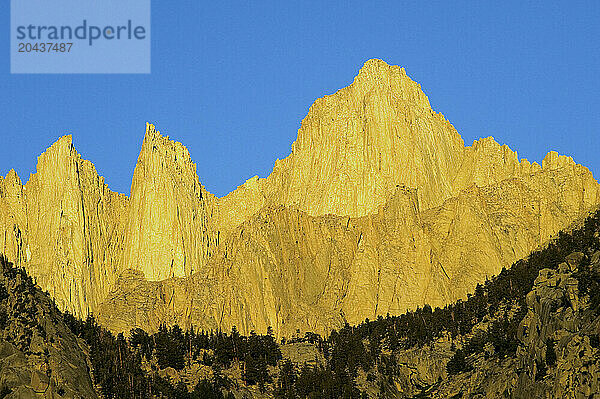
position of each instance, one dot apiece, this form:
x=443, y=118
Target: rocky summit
x=379, y=208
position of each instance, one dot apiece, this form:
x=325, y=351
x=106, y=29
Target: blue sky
x=233, y=80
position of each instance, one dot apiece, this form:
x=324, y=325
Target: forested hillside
x=39, y=355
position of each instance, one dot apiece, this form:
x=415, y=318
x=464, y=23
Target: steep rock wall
x=379, y=208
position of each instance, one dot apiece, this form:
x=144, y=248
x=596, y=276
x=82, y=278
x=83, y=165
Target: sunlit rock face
x=65, y=227
x=167, y=232
x=356, y=145
x=379, y=208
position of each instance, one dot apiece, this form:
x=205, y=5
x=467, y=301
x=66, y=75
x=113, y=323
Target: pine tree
x=286, y=380
x=262, y=373
x=170, y=347
x=458, y=363
x=250, y=372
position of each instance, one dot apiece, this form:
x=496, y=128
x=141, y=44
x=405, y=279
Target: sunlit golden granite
x=379, y=208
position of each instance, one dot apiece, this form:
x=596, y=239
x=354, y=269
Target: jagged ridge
x=465, y=213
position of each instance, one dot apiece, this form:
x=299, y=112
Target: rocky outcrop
x=559, y=315
x=39, y=355
x=557, y=357
x=379, y=208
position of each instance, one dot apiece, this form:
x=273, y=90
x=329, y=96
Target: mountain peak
x=167, y=216
x=63, y=146
x=57, y=158
x=158, y=147
x=378, y=193
x=12, y=176
x=391, y=79
x=151, y=132
x=553, y=160
x=66, y=140
x=345, y=159
x=376, y=66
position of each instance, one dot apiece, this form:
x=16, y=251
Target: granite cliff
x=64, y=226
x=168, y=229
x=379, y=208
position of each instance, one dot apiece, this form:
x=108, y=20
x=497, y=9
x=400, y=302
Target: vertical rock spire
x=71, y=235
x=167, y=230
